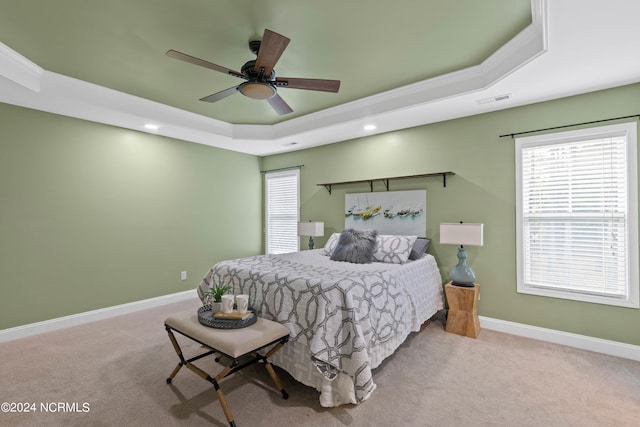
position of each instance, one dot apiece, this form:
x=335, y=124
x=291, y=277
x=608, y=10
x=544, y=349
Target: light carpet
x=113, y=373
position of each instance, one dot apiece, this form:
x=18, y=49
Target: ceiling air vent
x=491, y=99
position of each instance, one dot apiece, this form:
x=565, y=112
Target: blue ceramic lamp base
x=461, y=274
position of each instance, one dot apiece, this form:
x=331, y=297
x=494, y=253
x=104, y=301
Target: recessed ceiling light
x=151, y=126
x=370, y=127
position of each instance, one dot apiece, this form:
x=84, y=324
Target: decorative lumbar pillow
x=355, y=246
x=393, y=249
x=331, y=244
x=419, y=248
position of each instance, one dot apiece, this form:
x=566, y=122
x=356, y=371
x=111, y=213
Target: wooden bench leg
x=276, y=380
x=272, y=373
x=223, y=403
x=216, y=386
x=220, y=394
x=178, y=350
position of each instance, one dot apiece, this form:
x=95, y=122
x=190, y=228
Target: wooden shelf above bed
x=444, y=175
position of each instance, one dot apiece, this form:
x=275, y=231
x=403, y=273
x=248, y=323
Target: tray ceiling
x=421, y=62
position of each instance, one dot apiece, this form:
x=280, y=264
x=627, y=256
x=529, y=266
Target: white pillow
x=393, y=249
x=331, y=244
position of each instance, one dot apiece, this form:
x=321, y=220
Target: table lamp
x=462, y=234
x=311, y=229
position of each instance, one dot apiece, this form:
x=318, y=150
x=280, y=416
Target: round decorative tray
x=205, y=316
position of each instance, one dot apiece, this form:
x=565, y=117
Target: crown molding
x=526, y=46
x=26, y=84
x=19, y=69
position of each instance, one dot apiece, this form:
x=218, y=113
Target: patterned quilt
x=338, y=310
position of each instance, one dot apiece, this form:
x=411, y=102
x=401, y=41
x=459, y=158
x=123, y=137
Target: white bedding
x=344, y=318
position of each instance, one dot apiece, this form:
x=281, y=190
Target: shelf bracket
x=444, y=181
x=386, y=183
x=371, y=185
x=328, y=187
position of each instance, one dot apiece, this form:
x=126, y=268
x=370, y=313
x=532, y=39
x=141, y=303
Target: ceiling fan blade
x=308, y=84
x=220, y=95
x=279, y=105
x=201, y=62
x=271, y=48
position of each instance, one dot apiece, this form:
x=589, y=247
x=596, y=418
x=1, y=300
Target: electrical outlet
x=183, y=275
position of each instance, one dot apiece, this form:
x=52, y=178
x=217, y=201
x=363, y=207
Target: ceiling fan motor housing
x=248, y=69
x=257, y=86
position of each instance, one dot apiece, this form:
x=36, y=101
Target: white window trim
x=270, y=175
x=632, y=276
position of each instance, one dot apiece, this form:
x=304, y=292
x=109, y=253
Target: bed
x=345, y=318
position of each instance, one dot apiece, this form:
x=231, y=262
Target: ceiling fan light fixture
x=257, y=90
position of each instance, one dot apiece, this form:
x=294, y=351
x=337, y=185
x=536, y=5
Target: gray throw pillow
x=355, y=246
x=419, y=248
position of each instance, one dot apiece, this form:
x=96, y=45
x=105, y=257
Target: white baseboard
x=90, y=316
x=583, y=342
x=612, y=348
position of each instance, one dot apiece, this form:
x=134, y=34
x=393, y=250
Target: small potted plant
x=214, y=294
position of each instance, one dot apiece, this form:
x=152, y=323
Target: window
x=282, y=199
x=577, y=216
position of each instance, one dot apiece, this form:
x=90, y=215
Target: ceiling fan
x=259, y=75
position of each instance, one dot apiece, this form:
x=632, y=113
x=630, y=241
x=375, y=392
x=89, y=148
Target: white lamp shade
x=461, y=234
x=311, y=228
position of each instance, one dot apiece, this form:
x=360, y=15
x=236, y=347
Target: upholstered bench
x=239, y=348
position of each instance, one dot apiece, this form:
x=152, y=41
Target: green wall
x=483, y=190
x=93, y=216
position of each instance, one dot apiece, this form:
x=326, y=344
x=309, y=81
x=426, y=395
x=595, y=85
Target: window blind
x=282, y=211
x=574, y=216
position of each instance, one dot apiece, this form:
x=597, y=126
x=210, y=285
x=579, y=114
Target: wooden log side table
x=462, y=318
